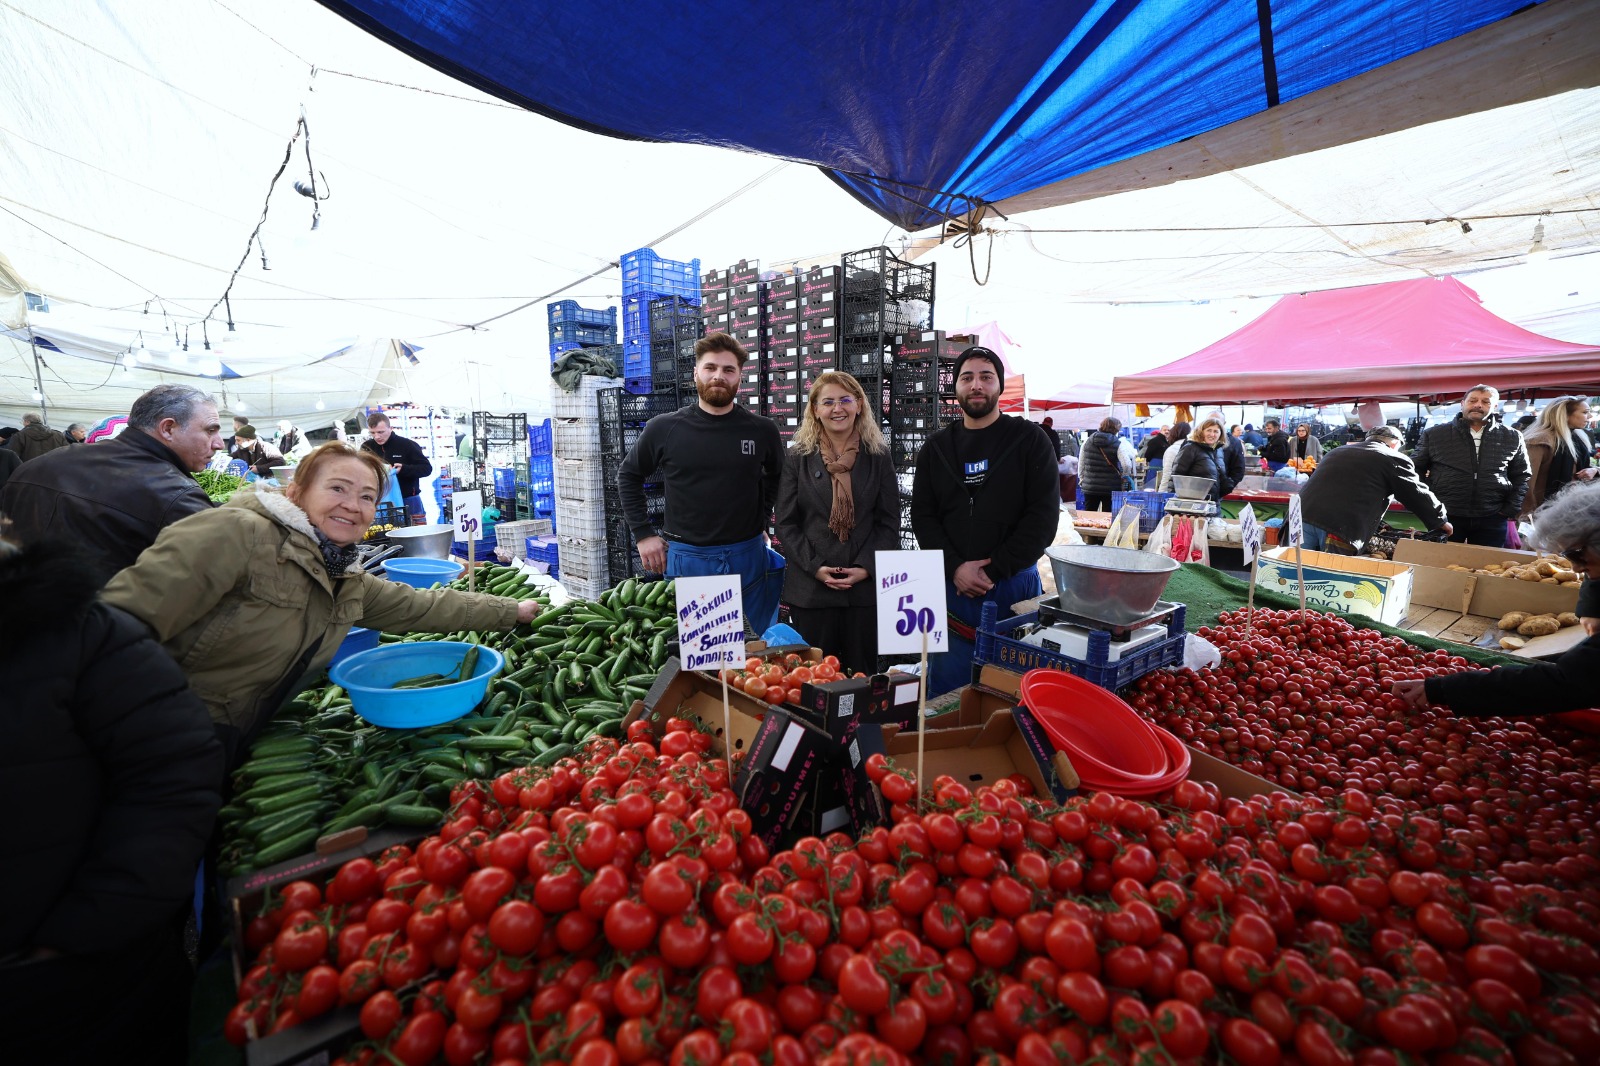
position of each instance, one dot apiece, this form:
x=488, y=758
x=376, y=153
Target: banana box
x=1340, y=584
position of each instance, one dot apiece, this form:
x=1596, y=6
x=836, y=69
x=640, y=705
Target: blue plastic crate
x=541, y=465
x=572, y=333
x=557, y=350
x=505, y=481
x=1150, y=506
x=995, y=645
x=543, y=550
x=644, y=271
x=539, y=441
x=568, y=311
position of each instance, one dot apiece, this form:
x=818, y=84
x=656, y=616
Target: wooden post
x=727, y=726
x=1300, y=582
x=922, y=717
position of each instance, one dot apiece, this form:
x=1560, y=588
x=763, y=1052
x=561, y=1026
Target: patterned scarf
x=337, y=558
x=842, y=519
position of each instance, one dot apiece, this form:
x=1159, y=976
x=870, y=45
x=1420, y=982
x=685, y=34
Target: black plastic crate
x=655, y=496
x=928, y=344
x=499, y=429
x=917, y=378
x=877, y=391
x=618, y=407
x=873, y=360
x=905, y=446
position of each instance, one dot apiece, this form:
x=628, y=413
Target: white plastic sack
x=1160, y=542
x=1199, y=653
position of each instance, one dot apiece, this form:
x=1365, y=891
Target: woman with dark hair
x=1205, y=455
x=113, y=777
x=1569, y=525
x=1103, y=466
x=254, y=596
x=1304, y=444
x=838, y=505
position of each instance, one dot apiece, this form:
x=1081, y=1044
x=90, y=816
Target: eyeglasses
x=1575, y=556
x=844, y=403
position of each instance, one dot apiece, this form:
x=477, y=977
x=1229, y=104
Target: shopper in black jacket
x=1276, y=448
x=1102, y=469
x=404, y=456
x=113, y=498
x=1350, y=490
x=111, y=775
x=1569, y=524
x=1478, y=467
x=985, y=493
x=1205, y=455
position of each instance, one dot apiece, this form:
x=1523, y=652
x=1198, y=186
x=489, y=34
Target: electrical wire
x=746, y=187
x=419, y=89
x=1311, y=225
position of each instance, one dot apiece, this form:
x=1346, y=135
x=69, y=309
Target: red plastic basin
x=1102, y=735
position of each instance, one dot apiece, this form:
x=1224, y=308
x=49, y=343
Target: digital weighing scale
x=1067, y=633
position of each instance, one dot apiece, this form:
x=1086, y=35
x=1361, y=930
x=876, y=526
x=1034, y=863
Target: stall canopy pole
x=38, y=377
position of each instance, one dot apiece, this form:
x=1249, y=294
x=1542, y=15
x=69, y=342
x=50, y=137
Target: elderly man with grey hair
x=1570, y=525
x=1478, y=467
x=112, y=500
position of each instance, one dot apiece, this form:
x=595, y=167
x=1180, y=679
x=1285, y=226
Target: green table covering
x=1267, y=510
x=1206, y=592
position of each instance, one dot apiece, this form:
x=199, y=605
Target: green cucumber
x=413, y=814
x=288, y=848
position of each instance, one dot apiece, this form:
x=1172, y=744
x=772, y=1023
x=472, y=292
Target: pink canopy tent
x=1429, y=339
x=1083, y=394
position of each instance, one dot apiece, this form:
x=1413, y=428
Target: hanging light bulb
x=321, y=406
x=38, y=397
x=238, y=405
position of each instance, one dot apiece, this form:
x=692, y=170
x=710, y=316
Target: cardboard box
x=1483, y=594
x=776, y=780
x=864, y=803
x=1341, y=584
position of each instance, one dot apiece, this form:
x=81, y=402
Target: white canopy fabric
x=138, y=143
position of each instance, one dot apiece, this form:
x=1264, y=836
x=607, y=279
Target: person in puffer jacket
x=1205, y=455
x=112, y=775
x=1478, y=467
x=1103, y=467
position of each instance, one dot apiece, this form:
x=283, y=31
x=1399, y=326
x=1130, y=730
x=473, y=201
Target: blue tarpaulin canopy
x=921, y=109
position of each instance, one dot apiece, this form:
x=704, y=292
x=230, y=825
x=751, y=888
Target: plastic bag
x=1160, y=542
x=1199, y=653
x=1124, y=529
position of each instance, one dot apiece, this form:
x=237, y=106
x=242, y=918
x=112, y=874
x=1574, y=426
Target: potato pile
x=1520, y=625
x=1549, y=569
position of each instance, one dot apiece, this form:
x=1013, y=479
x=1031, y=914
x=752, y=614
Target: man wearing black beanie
x=985, y=494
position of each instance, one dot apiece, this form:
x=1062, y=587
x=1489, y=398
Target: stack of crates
x=500, y=446
x=536, y=497
x=580, y=509
x=646, y=277
x=675, y=327
x=780, y=355
x=922, y=392
x=573, y=327
x=819, y=324
x=622, y=418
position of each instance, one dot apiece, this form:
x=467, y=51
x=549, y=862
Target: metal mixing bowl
x=424, y=542
x=1193, y=488
x=1117, y=585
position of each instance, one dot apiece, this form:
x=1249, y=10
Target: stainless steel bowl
x=1193, y=488
x=1117, y=585
x=424, y=542
x=284, y=474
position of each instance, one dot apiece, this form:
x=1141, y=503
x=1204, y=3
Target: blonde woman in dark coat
x=838, y=504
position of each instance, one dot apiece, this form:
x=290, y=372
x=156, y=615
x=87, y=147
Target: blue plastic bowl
x=357, y=640
x=422, y=573
x=368, y=675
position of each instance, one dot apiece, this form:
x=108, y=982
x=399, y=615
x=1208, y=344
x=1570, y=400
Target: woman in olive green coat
x=252, y=597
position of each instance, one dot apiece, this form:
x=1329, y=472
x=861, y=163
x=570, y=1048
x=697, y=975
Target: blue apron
x=758, y=566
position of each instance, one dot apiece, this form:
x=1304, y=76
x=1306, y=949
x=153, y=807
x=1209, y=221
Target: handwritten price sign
x=467, y=510
x=710, y=622
x=1249, y=532
x=1296, y=525
x=911, y=603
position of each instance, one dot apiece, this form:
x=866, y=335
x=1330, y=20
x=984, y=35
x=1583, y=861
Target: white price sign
x=1249, y=532
x=467, y=509
x=1296, y=526
x=911, y=603
x=710, y=622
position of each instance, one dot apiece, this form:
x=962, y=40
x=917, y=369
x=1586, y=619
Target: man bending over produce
x=112, y=500
x=1570, y=524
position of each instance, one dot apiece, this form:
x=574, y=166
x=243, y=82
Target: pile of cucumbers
x=570, y=674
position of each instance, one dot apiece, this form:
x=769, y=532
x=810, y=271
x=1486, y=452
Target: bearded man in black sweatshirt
x=985, y=494
x=720, y=465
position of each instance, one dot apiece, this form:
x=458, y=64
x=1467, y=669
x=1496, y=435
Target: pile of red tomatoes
x=615, y=909
x=1307, y=706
